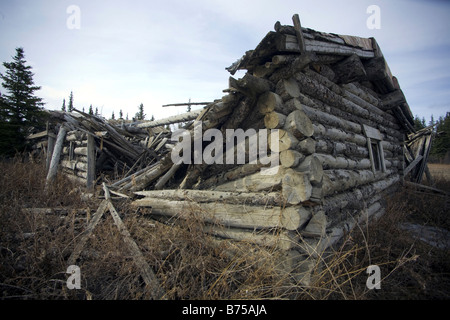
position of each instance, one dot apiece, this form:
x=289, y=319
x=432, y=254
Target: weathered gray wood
x=287, y=89
x=50, y=146
x=274, y=120
x=313, y=167
x=184, y=117
x=146, y=272
x=87, y=232
x=169, y=174
x=298, y=33
x=255, y=182
x=286, y=140
x=349, y=70
x=269, y=102
x=298, y=123
x=200, y=196
x=250, y=85
x=280, y=239
x=56, y=154
x=91, y=162
x=232, y=215
x=291, y=158
x=296, y=186
x=412, y=165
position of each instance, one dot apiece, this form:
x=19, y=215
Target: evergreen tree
x=91, y=111
x=140, y=115
x=441, y=144
x=63, y=108
x=419, y=124
x=120, y=114
x=70, y=107
x=96, y=111
x=112, y=116
x=20, y=109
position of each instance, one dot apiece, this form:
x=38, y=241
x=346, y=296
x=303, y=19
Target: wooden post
x=50, y=147
x=298, y=33
x=56, y=154
x=90, y=162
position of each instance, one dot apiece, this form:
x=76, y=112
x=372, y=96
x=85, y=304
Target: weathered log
x=286, y=140
x=316, y=227
x=349, y=149
x=363, y=93
x=274, y=120
x=268, y=102
x=349, y=70
x=291, y=158
x=255, y=182
x=298, y=123
x=230, y=215
x=142, y=180
x=306, y=146
x=50, y=147
x=325, y=118
x=165, y=178
x=341, y=179
x=90, y=152
x=184, y=117
x=392, y=99
x=250, y=85
x=338, y=135
x=287, y=89
x=313, y=167
x=200, y=196
x=338, y=162
x=296, y=187
x=287, y=71
x=280, y=239
x=56, y=154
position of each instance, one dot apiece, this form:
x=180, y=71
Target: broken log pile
x=334, y=121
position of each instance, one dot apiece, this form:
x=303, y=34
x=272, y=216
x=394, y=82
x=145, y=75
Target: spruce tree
x=20, y=109
x=70, y=106
x=63, y=108
x=91, y=111
x=140, y=115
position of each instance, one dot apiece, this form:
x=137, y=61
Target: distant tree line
x=441, y=143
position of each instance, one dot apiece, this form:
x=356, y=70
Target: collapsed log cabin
x=338, y=123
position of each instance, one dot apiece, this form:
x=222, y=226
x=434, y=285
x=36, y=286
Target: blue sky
x=159, y=52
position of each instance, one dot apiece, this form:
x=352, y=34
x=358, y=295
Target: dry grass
x=189, y=264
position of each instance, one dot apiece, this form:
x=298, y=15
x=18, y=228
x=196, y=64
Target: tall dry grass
x=189, y=264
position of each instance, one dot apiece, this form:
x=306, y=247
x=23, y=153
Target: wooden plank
x=91, y=162
x=187, y=116
x=372, y=132
x=86, y=233
x=186, y=104
x=412, y=165
x=38, y=135
x=146, y=272
x=298, y=33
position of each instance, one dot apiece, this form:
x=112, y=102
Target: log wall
x=333, y=124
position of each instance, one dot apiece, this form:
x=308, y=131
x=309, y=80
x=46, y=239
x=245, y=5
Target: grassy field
x=440, y=172
x=35, y=246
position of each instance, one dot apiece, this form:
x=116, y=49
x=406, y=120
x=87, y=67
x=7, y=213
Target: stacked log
x=74, y=156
